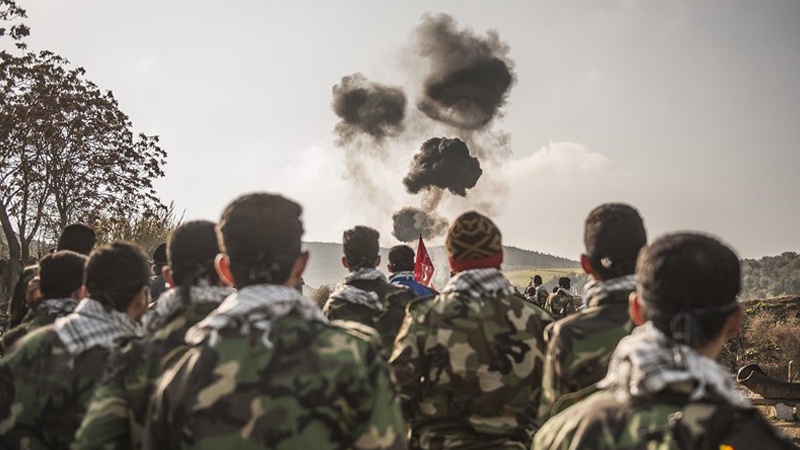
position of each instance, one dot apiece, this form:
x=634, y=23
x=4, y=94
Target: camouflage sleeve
x=551, y=382
x=336, y=309
x=408, y=360
x=380, y=425
x=107, y=419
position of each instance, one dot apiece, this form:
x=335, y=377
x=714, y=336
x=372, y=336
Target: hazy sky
x=689, y=110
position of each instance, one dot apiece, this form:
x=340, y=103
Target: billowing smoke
x=443, y=163
x=367, y=108
x=410, y=222
x=469, y=75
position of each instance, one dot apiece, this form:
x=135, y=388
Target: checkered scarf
x=57, y=307
x=647, y=362
x=344, y=291
x=480, y=282
x=93, y=324
x=173, y=301
x=254, y=307
x=595, y=287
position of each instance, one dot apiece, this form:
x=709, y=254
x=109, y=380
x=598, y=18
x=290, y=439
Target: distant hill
x=325, y=266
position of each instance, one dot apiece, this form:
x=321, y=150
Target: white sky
x=689, y=110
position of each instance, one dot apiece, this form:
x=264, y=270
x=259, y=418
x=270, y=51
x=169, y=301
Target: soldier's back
x=481, y=363
x=45, y=390
x=606, y=421
x=315, y=386
x=579, y=350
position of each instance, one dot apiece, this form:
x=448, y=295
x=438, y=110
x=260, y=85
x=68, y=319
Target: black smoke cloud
x=365, y=107
x=443, y=163
x=470, y=75
x=410, y=222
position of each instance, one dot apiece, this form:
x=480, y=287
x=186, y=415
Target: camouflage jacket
x=118, y=408
x=469, y=365
x=579, y=348
x=669, y=421
x=659, y=394
x=560, y=304
x=384, y=312
x=46, y=313
x=44, y=391
x=277, y=378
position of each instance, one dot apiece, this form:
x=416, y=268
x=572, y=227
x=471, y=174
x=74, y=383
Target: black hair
x=688, y=283
x=613, y=235
x=565, y=282
x=260, y=233
x=115, y=273
x=360, y=247
x=78, y=238
x=191, y=250
x=537, y=279
x=61, y=273
x=401, y=258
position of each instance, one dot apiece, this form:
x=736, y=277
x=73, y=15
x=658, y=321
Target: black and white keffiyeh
x=93, y=324
x=57, y=307
x=254, y=307
x=480, y=282
x=345, y=291
x=647, y=361
x=173, y=301
x=595, y=287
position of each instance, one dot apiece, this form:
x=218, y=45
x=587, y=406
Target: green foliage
x=146, y=228
x=320, y=296
x=771, y=276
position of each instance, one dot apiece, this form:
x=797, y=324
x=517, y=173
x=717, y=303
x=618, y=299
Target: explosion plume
x=410, y=222
x=469, y=75
x=365, y=107
x=443, y=163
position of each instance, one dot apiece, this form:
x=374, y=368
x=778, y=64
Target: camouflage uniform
x=660, y=396
x=46, y=313
x=118, y=409
x=469, y=365
x=269, y=371
x=47, y=381
x=368, y=298
x=560, y=304
x=580, y=346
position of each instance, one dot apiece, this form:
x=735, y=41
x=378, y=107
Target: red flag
x=423, y=267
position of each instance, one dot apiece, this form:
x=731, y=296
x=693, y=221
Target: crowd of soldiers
x=232, y=355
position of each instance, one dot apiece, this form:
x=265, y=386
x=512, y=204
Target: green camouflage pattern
x=319, y=386
x=44, y=391
x=469, y=370
x=560, y=304
x=579, y=349
x=117, y=413
x=32, y=322
x=606, y=421
x=387, y=322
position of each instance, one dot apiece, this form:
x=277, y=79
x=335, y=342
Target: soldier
x=401, y=268
x=469, y=362
x=60, y=281
x=267, y=369
x=158, y=284
x=580, y=345
x=536, y=292
x=364, y=295
x=559, y=303
x=48, y=379
x=117, y=412
x=663, y=388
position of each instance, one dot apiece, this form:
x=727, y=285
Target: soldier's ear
x=635, y=308
x=298, y=268
x=586, y=265
x=223, y=267
x=344, y=263
x=167, y=272
x=733, y=325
